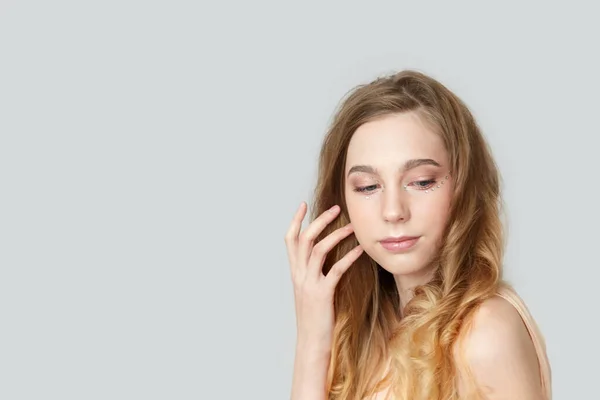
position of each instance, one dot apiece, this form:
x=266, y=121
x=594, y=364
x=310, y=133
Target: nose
x=395, y=207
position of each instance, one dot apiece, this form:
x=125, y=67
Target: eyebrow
x=408, y=165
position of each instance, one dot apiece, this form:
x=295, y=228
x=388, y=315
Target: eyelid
x=421, y=176
x=364, y=180
x=369, y=180
x=366, y=189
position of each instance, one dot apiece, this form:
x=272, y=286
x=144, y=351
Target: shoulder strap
x=509, y=294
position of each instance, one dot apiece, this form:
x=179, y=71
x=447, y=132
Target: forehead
x=390, y=140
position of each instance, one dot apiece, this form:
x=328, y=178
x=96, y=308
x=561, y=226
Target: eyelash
x=421, y=185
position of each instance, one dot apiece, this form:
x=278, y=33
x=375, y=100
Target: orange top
x=536, y=336
x=507, y=293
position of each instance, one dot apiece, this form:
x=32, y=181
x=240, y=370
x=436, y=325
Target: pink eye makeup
x=364, y=184
x=426, y=185
x=369, y=186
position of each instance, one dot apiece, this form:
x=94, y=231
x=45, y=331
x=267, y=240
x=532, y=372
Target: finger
x=291, y=236
x=307, y=238
x=339, y=268
x=321, y=249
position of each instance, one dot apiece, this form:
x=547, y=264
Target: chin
x=403, y=268
x=400, y=264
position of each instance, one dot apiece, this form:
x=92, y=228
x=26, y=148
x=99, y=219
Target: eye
x=365, y=189
x=423, y=185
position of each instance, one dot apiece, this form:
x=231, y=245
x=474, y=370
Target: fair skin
x=500, y=354
x=376, y=165
x=498, y=348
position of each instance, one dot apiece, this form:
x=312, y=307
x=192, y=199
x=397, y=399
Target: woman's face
x=398, y=185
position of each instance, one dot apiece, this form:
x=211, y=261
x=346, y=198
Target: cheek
x=433, y=213
x=361, y=213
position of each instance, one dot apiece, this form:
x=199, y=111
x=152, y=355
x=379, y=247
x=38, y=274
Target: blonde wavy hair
x=373, y=348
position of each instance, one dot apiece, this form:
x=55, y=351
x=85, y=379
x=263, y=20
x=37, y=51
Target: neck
x=407, y=282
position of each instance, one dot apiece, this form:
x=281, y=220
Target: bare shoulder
x=499, y=352
x=495, y=328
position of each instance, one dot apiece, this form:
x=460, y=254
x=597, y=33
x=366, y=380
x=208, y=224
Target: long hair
x=373, y=348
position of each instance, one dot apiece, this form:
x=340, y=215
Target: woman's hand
x=313, y=291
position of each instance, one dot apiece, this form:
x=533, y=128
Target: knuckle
x=319, y=249
x=305, y=237
x=343, y=232
x=298, y=280
x=336, y=271
x=304, y=289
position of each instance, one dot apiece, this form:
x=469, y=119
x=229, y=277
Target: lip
x=398, y=238
x=397, y=244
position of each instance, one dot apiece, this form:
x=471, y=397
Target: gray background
x=152, y=155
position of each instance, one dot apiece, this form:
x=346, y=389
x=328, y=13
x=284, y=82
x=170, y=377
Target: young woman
x=398, y=278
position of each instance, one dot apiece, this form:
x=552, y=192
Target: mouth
x=399, y=244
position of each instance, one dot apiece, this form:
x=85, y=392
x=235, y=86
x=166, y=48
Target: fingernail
x=334, y=209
